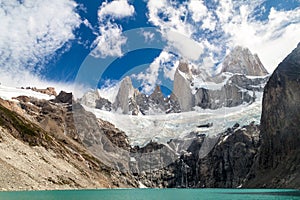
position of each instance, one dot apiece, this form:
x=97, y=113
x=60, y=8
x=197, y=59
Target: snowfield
x=161, y=128
x=7, y=93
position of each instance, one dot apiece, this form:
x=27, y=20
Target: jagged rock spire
x=241, y=60
x=125, y=92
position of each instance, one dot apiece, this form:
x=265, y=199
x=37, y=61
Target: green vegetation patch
x=20, y=127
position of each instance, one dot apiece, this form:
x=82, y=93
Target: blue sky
x=46, y=42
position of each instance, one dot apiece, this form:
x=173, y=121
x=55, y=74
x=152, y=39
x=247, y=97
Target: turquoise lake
x=146, y=194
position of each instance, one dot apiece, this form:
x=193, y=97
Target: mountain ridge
x=40, y=148
x=236, y=85
x=241, y=60
x=84, y=151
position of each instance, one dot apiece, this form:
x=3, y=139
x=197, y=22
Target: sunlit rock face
x=242, y=61
x=241, y=80
x=126, y=91
x=182, y=89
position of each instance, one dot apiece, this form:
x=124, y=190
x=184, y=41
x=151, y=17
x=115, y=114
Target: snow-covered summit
x=227, y=89
x=241, y=60
x=241, y=79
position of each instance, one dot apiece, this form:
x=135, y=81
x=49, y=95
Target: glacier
x=161, y=128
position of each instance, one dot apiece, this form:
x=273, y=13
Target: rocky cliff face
x=131, y=101
x=193, y=87
x=223, y=162
x=230, y=88
x=278, y=162
x=228, y=96
x=182, y=87
x=52, y=146
x=242, y=61
x=125, y=92
x=229, y=162
x=223, y=90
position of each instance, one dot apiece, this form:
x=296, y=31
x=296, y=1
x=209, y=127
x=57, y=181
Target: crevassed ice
x=162, y=127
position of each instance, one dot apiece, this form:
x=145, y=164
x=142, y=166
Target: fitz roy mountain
x=210, y=132
x=241, y=81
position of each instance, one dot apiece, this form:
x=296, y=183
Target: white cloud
x=172, y=18
x=231, y=23
x=225, y=10
x=185, y=46
x=167, y=16
x=272, y=39
x=110, y=40
x=169, y=71
x=239, y=26
x=109, y=90
x=87, y=24
x=198, y=10
x=163, y=63
x=150, y=78
x=208, y=64
x=209, y=22
x=117, y=9
x=31, y=32
x=148, y=36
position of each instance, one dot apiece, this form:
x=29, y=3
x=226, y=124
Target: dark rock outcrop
x=228, y=164
x=174, y=106
x=143, y=101
x=157, y=100
x=64, y=97
x=103, y=104
x=278, y=162
x=253, y=84
x=230, y=95
x=222, y=162
x=116, y=136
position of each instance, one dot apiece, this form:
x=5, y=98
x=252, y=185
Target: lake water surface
x=147, y=194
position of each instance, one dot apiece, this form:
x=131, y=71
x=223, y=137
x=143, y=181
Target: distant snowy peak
x=242, y=61
x=241, y=82
x=131, y=101
x=89, y=98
